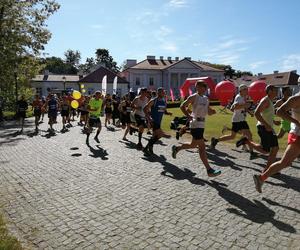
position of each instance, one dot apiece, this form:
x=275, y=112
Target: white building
x=168, y=73
x=92, y=82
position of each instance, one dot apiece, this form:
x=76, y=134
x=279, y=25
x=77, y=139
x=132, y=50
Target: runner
x=264, y=114
x=95, y=107
x=200, y=108
x=293, y=148
x=37, y=105
x=52, y=105
x=43, y=108
x=84, y=113
x=108, y=109
x=65, y=111
x=138, y=105
x=115, y=112
x=239, y=123
x=22, y=106
x=154, y=111
x=285, y=125
x=125, y=109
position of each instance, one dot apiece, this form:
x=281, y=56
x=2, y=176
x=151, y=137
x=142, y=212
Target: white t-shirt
x=140, y=104
x=296, y=115
x=239, y=115
x=199, y=111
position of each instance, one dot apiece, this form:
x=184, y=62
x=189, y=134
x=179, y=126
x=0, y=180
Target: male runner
x=138, y=105
x=293, y=148
x=65, y=111
x=37, y=105
x=264, y=114
x=125, y=109
x=154, y=111
x=239, y=123
x=200, y=108
x=285, y=125
x=22, y=106
x=95, y=106
x=52, y=105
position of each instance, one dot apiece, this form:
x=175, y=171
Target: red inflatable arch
x=190, y=82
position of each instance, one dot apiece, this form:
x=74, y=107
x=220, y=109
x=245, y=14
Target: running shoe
x=174, y=151
x=241, y=142
x=213, y=172
x=253, y=155
x=177, y=135
x=213, y=143
x=258, y=183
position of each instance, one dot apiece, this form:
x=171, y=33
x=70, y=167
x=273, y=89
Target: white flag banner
x=104, y=85
x=115, y=85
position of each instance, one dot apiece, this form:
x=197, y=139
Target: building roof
x=276, y=79
x=97, y=75
x=56, y=78
x=162, y=64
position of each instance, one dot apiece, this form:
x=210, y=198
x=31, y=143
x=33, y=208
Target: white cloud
x=170, y=47
x=178, y=3
x=227, y=51
x=257, y=64
x=291, y=62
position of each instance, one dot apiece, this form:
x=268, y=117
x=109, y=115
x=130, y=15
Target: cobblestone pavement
x=59, y=193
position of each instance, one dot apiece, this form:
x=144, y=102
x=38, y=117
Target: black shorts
x=197, y=133
x=125, y=119
x=108, y=111
x=21, y=114
x=52, y=114
x=83, y=112
x=37, y=112
x=94, y=122
x=268, y=138
x=65, y=113
x=237, y=126
x=155, y=126
x=140, y=121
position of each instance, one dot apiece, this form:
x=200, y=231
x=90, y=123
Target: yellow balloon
x=82, y=86
x=83, y=90
x=74, y=104
x=76, y=95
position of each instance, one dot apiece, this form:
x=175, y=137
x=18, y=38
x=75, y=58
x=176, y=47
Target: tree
x=88, y=66
x=57, y=65
x=23, y=35
x=103, y=57
x=72, y=58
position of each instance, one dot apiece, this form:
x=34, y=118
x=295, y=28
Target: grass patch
x=11, y=114
x=215, y=123
x=7, y=242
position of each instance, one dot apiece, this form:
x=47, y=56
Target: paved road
x=59, y=193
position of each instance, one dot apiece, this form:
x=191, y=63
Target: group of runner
x=147, y=110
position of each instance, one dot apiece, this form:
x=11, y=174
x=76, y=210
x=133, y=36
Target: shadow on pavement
x=289, y=182
x=254, y=211
x=274, y=203
x=98, y=152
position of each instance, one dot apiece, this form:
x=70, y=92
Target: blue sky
x=256, y=35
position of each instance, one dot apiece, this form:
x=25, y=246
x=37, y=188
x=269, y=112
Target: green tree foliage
x=103, y=57
x=229, y=72
x=23, y=35
x=72, y=58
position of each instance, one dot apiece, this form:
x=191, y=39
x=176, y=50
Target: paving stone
x=59, y=193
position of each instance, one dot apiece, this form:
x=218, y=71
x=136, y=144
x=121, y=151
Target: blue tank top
x=52, y=105
x=158, y=109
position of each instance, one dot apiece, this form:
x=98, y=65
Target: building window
x=137, y=81
x=151, y=81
